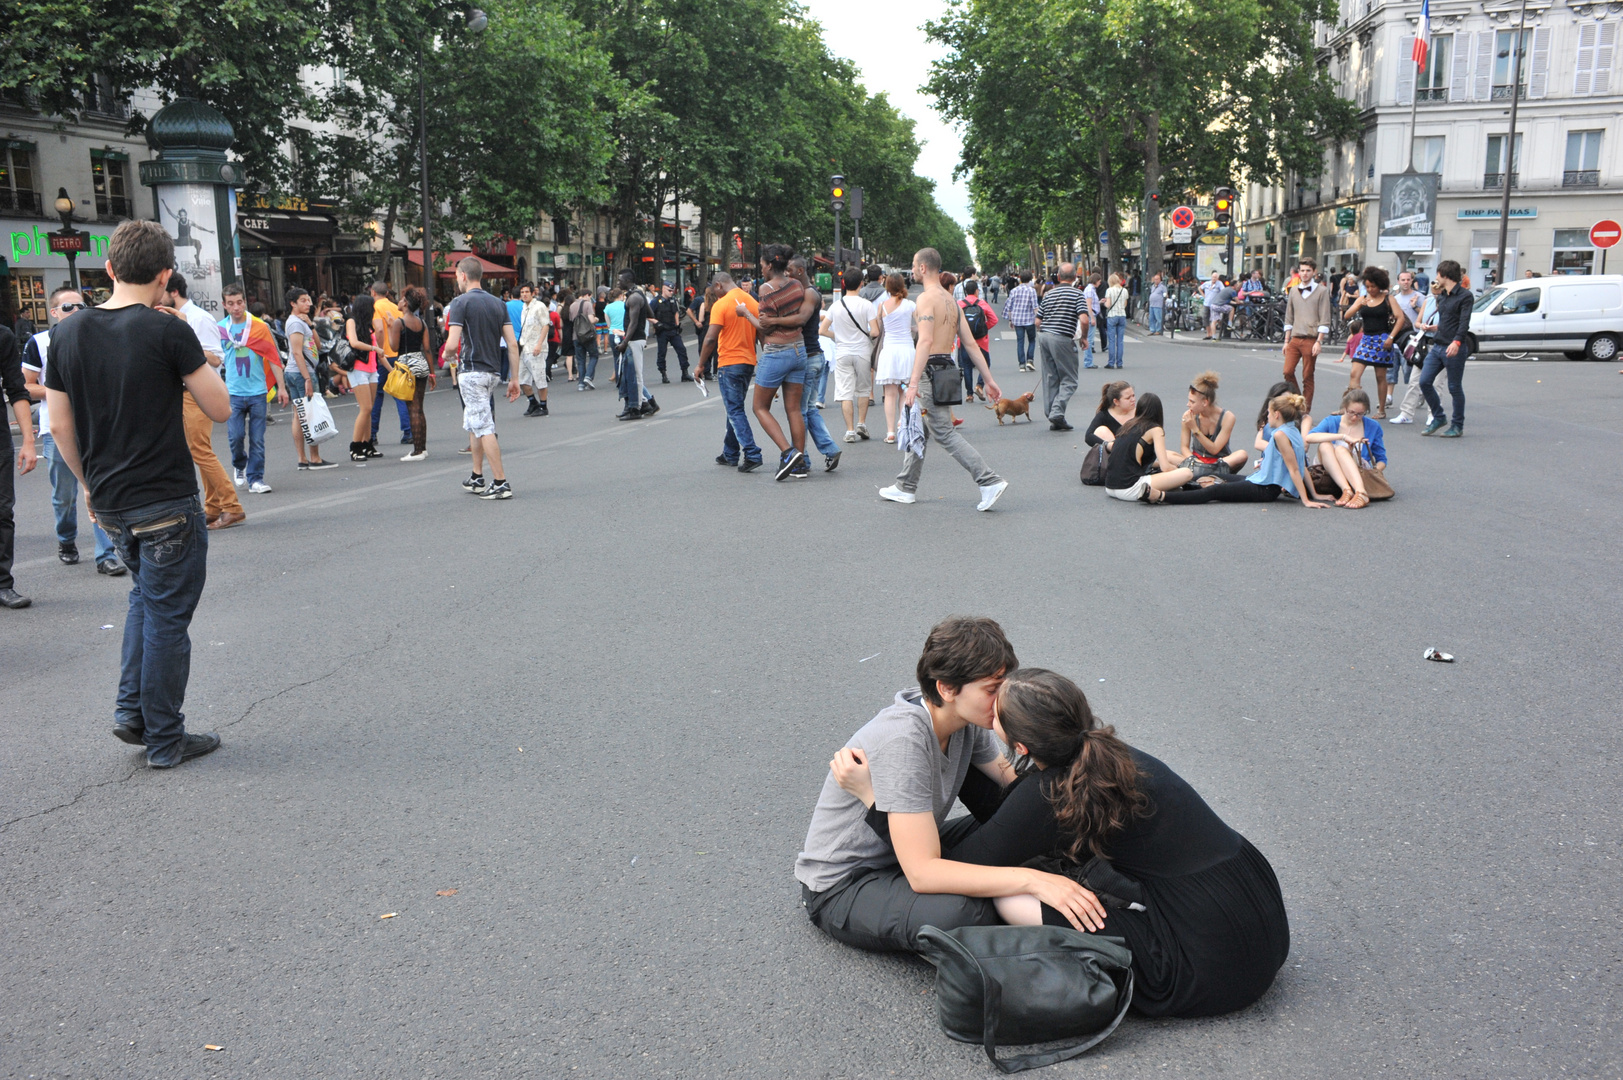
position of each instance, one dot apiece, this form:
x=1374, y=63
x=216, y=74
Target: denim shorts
x=781, y=364
x=362, y=378
x=295, y=382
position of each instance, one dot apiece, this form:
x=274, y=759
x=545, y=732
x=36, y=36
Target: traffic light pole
x=838, y=258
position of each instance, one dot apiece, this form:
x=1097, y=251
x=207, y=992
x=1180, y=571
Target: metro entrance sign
x=1183, y=218
x=1605, y=234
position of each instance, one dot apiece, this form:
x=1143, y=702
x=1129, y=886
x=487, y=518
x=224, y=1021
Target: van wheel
x=1602, y=347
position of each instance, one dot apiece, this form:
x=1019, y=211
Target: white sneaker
x=897, y=495
x=990, y=493
x=862, y=431
x=239, y=478
x=850, y=436
x=415, y=455
x=259, y=487
x=1401, y=419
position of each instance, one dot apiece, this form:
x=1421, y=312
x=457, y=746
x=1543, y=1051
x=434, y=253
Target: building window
x=1428, y=153
x=1582, y=168
x=1434, y=76
x=1493, y=170
x=1573, y=255
x=18, y=193
x=1504, y=63
x=109, y=172
x=1597, y=46
x=28, y=298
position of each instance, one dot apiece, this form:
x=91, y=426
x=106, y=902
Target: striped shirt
x=1059, y=309
x=1021, y=307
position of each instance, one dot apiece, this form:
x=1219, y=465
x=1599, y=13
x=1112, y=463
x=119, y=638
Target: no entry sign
x=1605, y=234
x=1184, y=218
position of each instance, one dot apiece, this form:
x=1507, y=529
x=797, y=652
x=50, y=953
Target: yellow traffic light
x=839, y=193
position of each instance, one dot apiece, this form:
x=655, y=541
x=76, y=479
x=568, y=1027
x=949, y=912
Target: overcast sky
x=884, y=39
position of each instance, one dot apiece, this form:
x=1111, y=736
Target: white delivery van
x=1579, y=315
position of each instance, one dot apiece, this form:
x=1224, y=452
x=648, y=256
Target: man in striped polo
x=1057, y=316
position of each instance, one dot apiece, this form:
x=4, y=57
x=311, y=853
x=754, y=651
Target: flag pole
x=1422, y=33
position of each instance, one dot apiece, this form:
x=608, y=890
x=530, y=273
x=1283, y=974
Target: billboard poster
x=186, y=212
x=1408, y=211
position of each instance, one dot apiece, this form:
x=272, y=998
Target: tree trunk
x=1150, y=240
x=1112, y=213
x=626, y=215
x=388, y=240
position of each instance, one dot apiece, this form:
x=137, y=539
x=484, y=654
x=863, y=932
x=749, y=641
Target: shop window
x=28, y=297
x=19, y=193
x=109, y=174
x=1573, y=255
x=1582, y=167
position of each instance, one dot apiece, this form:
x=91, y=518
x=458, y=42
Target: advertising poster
x=186, y=212
x=1408, y=211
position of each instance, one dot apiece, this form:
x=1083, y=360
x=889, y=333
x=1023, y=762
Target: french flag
x=1422, y=38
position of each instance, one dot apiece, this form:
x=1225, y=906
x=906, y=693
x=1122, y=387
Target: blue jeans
x=65, y=500
x=378, y=397
x=822, y=382
x=966, y=366
x=1025, y=344
x=168, y=564
x=1437, y=360
x=817, y=366
x=1116, y=331
x=734, y=382
x=1087, y=348
x=248, y=411
x=1158, y=317
x=586, y=358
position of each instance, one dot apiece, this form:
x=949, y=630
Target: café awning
x=487, y=268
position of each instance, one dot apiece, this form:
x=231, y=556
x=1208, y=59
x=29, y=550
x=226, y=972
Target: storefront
x=33, y=271
x=289, y=244
x=493, y=276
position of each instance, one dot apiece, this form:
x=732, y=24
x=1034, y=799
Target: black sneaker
x=127, y=735
x=304, y=465
x=534, y=409
x=192, y=746
x=323, y=464
x=112, y=567
x=1058, y=423
x=498, y=490
x=650, y=407
x=474, y=484
x=543, y=411
x=791, y=458
x=721, y=459
x=747, y=466
x=801, y=470
x=629, y=414
x=832, y=462
x=68, y=552
x=405, y=437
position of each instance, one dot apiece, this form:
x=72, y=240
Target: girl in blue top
x=1282, y=470
x=1349, y=439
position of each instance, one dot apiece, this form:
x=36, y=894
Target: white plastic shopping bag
x=315, y=419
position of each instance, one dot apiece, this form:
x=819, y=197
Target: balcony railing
x=1435, y=93
x=1502, y=93
x=20, y=202
x=112, y=206
x=1497, y=180
x=1581, y=178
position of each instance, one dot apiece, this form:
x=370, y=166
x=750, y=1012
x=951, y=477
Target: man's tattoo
x=926, y=318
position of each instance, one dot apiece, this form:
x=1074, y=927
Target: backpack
x=975, y=316
x=584, y=327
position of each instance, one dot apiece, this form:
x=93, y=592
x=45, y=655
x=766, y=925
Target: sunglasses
x=70, y=307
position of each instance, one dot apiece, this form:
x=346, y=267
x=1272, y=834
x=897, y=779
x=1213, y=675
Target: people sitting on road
x=1346, y=440
x=919, y=754
x=1261, y=442
x=1283, y=469
x=1140, y=461
x=1117, y=406
x=1203, y=438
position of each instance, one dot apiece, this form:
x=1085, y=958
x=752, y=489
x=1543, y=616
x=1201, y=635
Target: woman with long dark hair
x=785, y=308
x=360, y=328
x=406, y=333
x=1197, y=904
x=1139, y=451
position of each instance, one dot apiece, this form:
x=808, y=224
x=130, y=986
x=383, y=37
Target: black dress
x=1129, y=460
x=1215, y=932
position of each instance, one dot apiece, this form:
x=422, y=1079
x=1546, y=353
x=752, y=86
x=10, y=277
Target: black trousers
x=1233, y=488
x=879, y=911
x=671, y=337
x=8, y=500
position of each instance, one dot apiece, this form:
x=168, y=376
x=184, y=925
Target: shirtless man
x=940, y=320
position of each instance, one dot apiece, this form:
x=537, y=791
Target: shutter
x=1538, y=80
x=1406, y=70
x=1482, y=72
x=1605, y=47
x=1583, y=81
x=1459, y=80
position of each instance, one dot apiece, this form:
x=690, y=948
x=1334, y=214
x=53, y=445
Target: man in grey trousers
x=1057, y=318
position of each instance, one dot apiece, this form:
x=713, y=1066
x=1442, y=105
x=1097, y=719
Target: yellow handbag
x=401, y=383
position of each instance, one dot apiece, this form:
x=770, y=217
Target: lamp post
x=477, y=21
x=68, y=241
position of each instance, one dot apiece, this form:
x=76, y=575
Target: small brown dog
x=1012, y=407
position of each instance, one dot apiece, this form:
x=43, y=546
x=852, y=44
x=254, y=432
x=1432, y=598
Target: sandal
x=1381, y=415
x=890, y=436
x=1358, y=501
x=1345, y=497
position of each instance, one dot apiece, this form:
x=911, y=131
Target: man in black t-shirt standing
x=668, y=329
x=479, y=326
x=114, y=378
x=15, y=389
x=639, y=402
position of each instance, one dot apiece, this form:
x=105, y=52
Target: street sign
x=1104, y=236
x=1602, y=234
x=76, y=242
x=1346, y=217
x=1183, y=219
x=1203, y=213
x=1182, y=236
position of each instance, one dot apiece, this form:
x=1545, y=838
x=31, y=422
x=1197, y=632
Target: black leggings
x=1231, y=489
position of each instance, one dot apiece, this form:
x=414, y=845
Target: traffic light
x=837, y=193
x=1223, y=205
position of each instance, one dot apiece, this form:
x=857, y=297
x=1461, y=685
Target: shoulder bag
x=401, y=383
x=946, y=382
x=1093, y=465
x=1375, y=483
x=1028, y=984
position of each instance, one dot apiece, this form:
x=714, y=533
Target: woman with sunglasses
x=1347, y=440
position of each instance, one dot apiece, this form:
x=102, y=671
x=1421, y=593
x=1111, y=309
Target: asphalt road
x=600, y=713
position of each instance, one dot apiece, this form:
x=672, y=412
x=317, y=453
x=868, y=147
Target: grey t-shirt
x=910, y=776
x=296, y=325
x=482, y=318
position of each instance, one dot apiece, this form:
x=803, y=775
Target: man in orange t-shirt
x=731, y=339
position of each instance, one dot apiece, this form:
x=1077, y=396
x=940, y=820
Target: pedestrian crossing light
x=1223, y=205
x=837, y=193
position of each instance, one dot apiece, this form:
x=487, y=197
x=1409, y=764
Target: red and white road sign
x=1184, y=218
x=1605, y=234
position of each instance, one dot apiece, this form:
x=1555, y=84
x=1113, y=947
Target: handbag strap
x=853, y=319
x=992, y=1000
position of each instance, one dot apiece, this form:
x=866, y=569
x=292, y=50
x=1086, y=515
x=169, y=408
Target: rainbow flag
x=256, y=337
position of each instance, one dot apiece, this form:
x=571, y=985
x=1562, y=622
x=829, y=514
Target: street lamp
x=67, y=241
x=477, y=21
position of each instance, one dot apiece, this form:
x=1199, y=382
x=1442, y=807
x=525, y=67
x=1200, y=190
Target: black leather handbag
x=1093, y=466
x=946, y=382
x=1028, y=984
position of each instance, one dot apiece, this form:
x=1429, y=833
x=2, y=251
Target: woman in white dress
x=894, y=320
